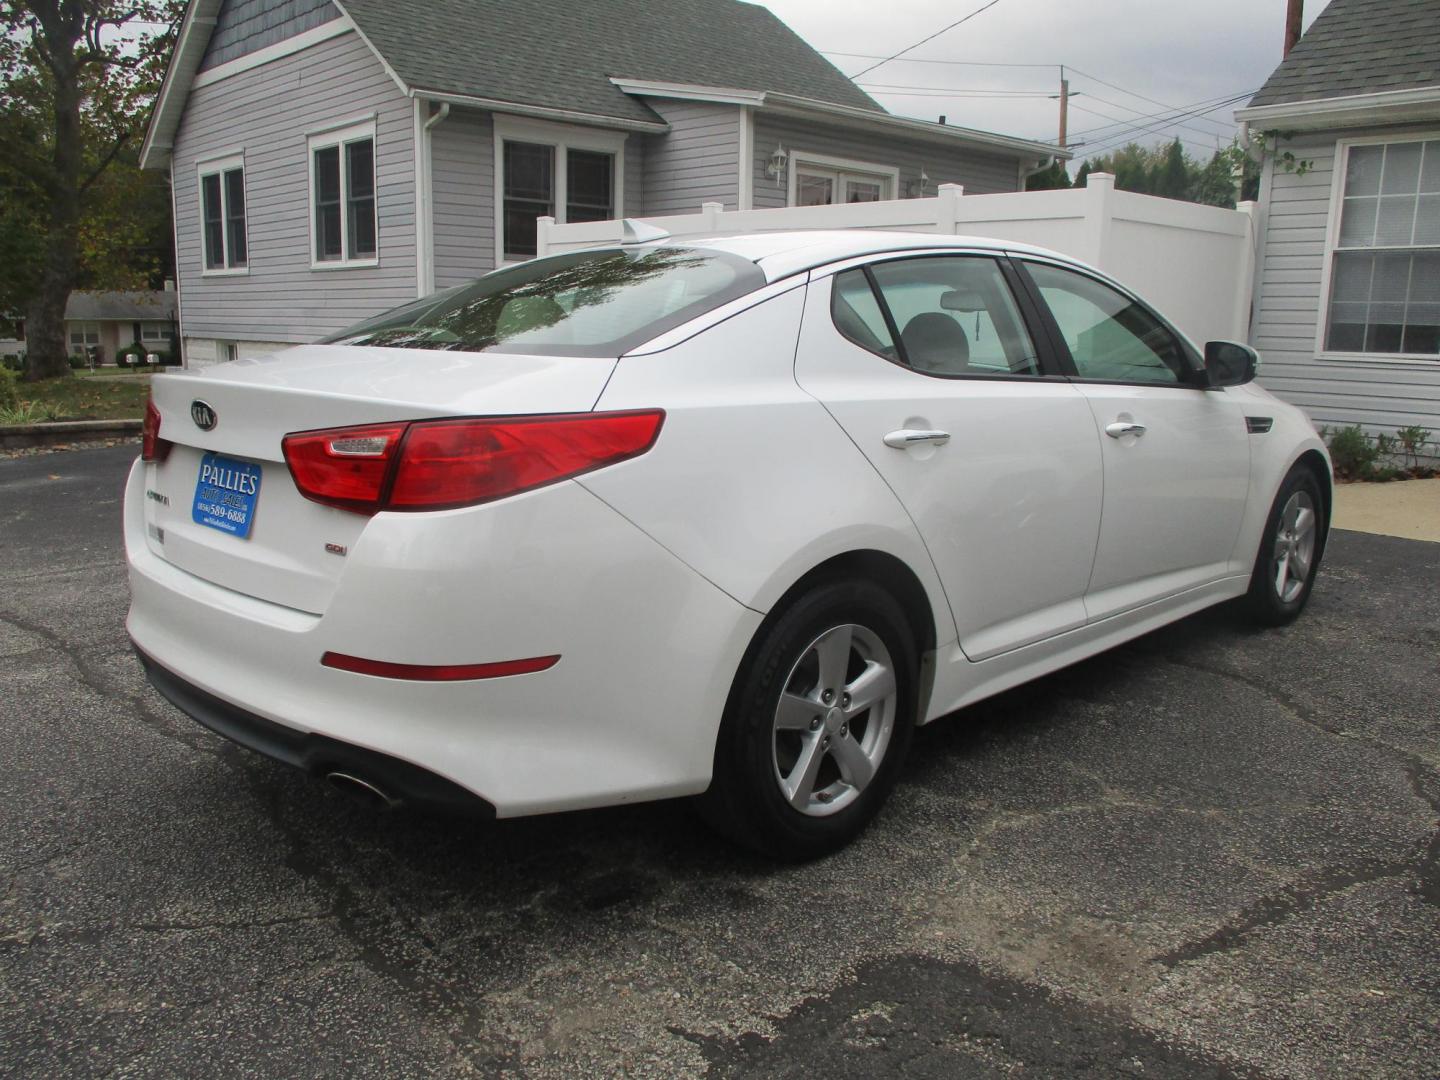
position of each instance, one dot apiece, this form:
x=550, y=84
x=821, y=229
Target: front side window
x=83, y=334
x=342, y=195
x=154, y=331
x=1110, y=336
x=589, y=303
x=222, y=215
x=551, y=179
x=955, y=315
x=1385, y=270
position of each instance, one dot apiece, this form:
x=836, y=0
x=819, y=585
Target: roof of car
x=781, y=254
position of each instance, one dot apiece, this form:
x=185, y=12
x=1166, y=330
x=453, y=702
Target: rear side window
x=592, y=303
x=858, y=316
x=955, y=316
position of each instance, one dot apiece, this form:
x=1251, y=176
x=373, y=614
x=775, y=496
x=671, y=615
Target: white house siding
x=265, y=113
x=981, y=173
x=1380, y=395
x=697, y=161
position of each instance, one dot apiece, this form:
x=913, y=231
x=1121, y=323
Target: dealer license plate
x=226, y=493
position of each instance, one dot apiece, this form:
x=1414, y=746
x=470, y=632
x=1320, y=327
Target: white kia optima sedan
x=722, y=518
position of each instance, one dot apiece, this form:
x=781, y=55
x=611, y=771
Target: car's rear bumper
x=398, y=781
x=648, y=649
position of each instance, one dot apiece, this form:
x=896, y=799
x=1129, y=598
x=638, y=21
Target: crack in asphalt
x=93, y=679
x=1303, y=895
x=918, y=1015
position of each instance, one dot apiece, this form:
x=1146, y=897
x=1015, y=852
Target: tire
x=1290, y=550
x=801, y=767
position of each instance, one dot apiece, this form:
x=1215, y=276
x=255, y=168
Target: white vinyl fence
x=1194, y=263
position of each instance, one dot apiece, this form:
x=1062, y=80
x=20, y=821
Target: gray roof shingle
x=124, y=306
x=563, y=54
x=1360, y=47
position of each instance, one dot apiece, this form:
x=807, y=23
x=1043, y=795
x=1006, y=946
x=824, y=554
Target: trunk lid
x=293, y=554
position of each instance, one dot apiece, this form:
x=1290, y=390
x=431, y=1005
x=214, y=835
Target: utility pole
x=1065, y=102
x=1294, y=15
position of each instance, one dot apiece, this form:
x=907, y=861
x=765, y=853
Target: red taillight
x=437, y=672
x=152, y=447
x=347, y=467
x=443, y=464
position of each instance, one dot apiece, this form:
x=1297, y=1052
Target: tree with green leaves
x=1052, y=176
x=1170, y=172
x=77, y=78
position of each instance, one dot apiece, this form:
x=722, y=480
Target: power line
x=920, y=60
x=1180, y=113
x=922, y=41
x=1132, y=121
x=1107, y=116
x=1123, y=90
x=1109, y=141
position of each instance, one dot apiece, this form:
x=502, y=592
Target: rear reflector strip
x=437, y=672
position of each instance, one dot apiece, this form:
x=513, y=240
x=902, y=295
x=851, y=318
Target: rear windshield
x=588, y=303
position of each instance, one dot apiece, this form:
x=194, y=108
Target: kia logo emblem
x=203, y=415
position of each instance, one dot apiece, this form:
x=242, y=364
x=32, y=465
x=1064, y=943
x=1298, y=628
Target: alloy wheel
x=1294, y=551
x=834, y=720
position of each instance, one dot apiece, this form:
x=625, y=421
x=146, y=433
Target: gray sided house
x=332, y=158
x=1347, y=303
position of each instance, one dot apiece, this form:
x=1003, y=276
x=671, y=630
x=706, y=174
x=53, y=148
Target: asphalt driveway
x=1212, y=852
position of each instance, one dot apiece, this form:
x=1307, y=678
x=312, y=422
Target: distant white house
x=1347, y=297
x=332, y=159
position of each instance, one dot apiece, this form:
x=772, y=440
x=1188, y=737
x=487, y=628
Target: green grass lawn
x=75, y=398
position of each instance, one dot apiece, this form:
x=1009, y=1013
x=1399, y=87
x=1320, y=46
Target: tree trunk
x=46, y=352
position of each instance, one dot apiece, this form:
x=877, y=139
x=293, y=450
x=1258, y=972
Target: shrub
x=132, y=356
x=1352, y=452
x=78, y=361
x=1412, y=440
x=14, y=362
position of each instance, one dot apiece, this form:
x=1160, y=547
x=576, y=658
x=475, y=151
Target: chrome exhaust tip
x=363, y=790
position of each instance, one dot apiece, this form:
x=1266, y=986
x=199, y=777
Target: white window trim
x=219, y=166
x=1332, y=240
x=800, y=158
x=339, y=137
x=563, y=137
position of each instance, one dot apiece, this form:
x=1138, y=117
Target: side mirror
x=1229, y=363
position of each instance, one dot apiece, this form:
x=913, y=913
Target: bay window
x=1384, y=272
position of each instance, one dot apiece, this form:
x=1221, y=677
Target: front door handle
x=1121, y=428
x=907, y=437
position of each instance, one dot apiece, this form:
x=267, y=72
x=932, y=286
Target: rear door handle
x=1121, y=428
x=906, y=437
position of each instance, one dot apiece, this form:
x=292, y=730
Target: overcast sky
x=1185, y=54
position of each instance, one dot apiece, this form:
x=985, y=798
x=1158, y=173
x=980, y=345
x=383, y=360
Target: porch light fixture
x=777, y=164
x=915, y=189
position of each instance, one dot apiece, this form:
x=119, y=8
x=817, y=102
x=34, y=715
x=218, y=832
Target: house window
x=342, y=197
x=826, y=181
x=154, y=331
x=222, y=215
x=549, y=170
x=84, y=334
x=1385, y=262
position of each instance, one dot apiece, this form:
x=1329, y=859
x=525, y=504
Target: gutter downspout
x=424, y=216
x=1025, y=174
